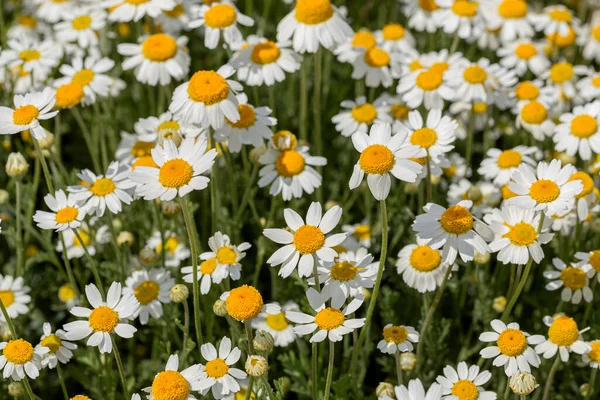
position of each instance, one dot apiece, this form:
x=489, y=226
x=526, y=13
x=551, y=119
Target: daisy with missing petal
x=135, y=10
x=66, y=214
x=416, y=391
x=158, y=59
x=458, y=17
x=30, y=109
x=499, y=165
x=277, y=325
x=398, y=338
x=20, y=358
x=593, y=357
x=313, y=22
x=573, y=278
x=382, y=154
x=355, y=46
x=591, y=258
x=510, y=18
x=305, y=243
x=465, y=383
x=522, y=56
x=455, y=229
x=175, y=250
x=578, y=132
x=178, y=172
x=171, y=384
x=435, y=136
x=219, y=375
x=89, y=74
x=207, y=99
x=377, y=66
x=220, y=18
x=421, y=266
x=393, y=38
x=359, y=115
x=534, y=117
x=151, y=288
x=13, y=294
x=330, y=322
x=547, y=188
x=60, y=349
x=564, y=337
x=80, y=25
x=512, y=348
x=104, y=319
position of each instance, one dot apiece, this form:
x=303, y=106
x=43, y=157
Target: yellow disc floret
x=329, y=318
x=457, y=220
x=395, y=334
x=244, y=303
x=527, y=91
x=226, y=255
x=277, y=322
x=265, y=53
x=512, y=342
x=534, y=113
x=393, y=32
x=424, y=137
x=563, y=331
x=343, y=271
x=464, y=389
x=7, y=297
x=425, y=259
x=313, y=12
x=208, y=87
x=544, y=191
x=475, y=74
x=170, y=385
x=583, y=126
x=103, y=187
x=103, y=319
x=159, y=47
x=24, y=115
x=509, y=159
x=247, y=117
x=377, y=58
x=522, y=234
x=364, y=39
x=83, y=77
x=308, y=239
x=69, y=95
x=513, y=9
x=573, y=278
x=364, y=113
x=220, y=16
x=561, y=72
x=66, y=215
x=82, y=22
x=289, y=163
x=146, y=292
x=463, y=8
x=525, y=51
x=376, y=159
x=586, y=180
x=175, y=173
x=207, y=267
x=216, y=368
x=18, y=351
x=52, y=342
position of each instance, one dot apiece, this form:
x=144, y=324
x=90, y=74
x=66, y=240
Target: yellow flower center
x=377, y=58
x=595, y=260
x=544, y=191
x=29, y=55
x=69, y=95
x=479, y=108
x=313, y=12
x=594, y=354
x=208, y=87
x=362, y=232
x=457, y=220
x=425, y=259
x=289, y=163
x=450, y=172
x=586, y=180
x=343, y=271
x=176, y=12
x=247, y=117
x=465, y=390
x=522, y=234
x=415, y=65
x=512, y=342
x=534, y=113
x=364, y=113
x=393, y=32
x=83, y=77
x=145, y=161
x=18, y=351
x=79, y=396
x=583, y=126
x=440, y=67
x=84, y=236
x=216, y=368
x=308, y=239
x=506, y=192
x=27, y=21
x=573, y=278
x=329, y=318
x=175, y=173
x=399, y=111
x=226, y=255
x=560, y=15
x=429, y=80
x=512, y=9
x=475, y=74
x=244, y=303
x=66, y=215
x=24, y=115
x=207, y=267
x=7, y=297
x=82, y=22
x=277, y=322
x=563, y=40
x=525, y=51
x=464, y=8
x=376, y=159
x=142, y=149
x=52, y=342
x=561, y=72
x=509, y=159
x=170, y=385
x=428, y=5
x=146, y=292
x=136, y=2
x=527, y=91
x=364, y=40
x=395, y=334
x=563, y=331
x=66, y=293
x=220, y=16
x=281, y=136
x=424, y=137
x=104, y=319
x=166, y=130
x=265, y=53
x=103, y=187
x=159, y=47
x=170, y=246
x=596, y=33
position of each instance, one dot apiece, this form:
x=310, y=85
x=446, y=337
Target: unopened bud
x=256, y=152
x=169, y=134
x=499, y=304
x=15, y=389
x=148, y=255
x=523, y=383
x=125, y=238
x=411, y=188
x=66, y=293
x=47, y=141
x=220, y=308
x=4, y=196
x=385, y=389
x=179, y=293
x=286, y=384
x=408, y=361
x=16, y=165
x=595, y=225
x=256, y=365
x=330, y=203
x=5, y=332
x=584, y=390
x=170, y=207
x=474, y=194
x=263, y=341
x=481, y=258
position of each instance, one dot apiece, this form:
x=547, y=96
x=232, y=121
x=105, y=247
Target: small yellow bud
x=523, y=383
x=125, y=238
x=256, y=365
x=16, y=165
x=385, y=389
x=499, y=304
x=263, y=341
x=220, y=308
x=408, y=361
x=15, y=389
x=179, y=293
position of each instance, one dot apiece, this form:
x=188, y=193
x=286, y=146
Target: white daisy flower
x=509, y=17
x=435, y=136
x=313, y=23
x=158, y=59
x=305, y=243
x=458, y=169
x=104, y=319
x=151, y=288
x=416, y=391
x=547, y=188
x=128, y=10
x=355, y=46
x=589, y=39
x=135, y=146
x=593, y=357
x=359, y=235
x=573, y=278
x=26, y=24
x=588, y=87
x=421, y=266
x=398, y=338
x=464, y=383
x=277, y=325
x=485, y=37
x=89, y=74
x=382, y=154
x=499, y=165
x=458, y=17
x=455, y=228
x=564, y=337
x=29, y=110
x=378, y=66
x=33, y=56
x=80, y=25
x=555, y=20
x=534, y=117
x=13, y=294
x=561, y=77
x=52, y=11
x=158, y=129
x=397, y=110
x=422, y=14
x=512, y=348
x=179, y=170
x=66, y=213
x=578, y=132
x=586, y=199
x=523, y=55
x=60, y=349
x=526, y=91
x=173, y=384
x=330, y=322
x=19, y=358
x=359, y=115
x=220, y=18
x=564, y=222
x=74, y=248
x=177, y=19
x=175, y=250
x=483, y=195
x=591, y=258
x=219, y=375
x=394, y=38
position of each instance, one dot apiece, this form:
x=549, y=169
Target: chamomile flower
x=33, y=56
x=220, y=19
x=173, y=384
x=29, y=110
x=19, y=358
x=135, y=10
x=65, y=212
x=355, y=46
x=458, y=17
x=435, y=136
x=244, y=303
x=561, y=77
x=421, y=266
x=89, y=74
x=359, y=235
x=477, y=82
x=158, y=59
x=593, y=356
x=422, y=14
x=26, y=24
x=157, y=129
x=587, y=197
x=416, y=391
x=510, y=18
x=573, y=278
x=457, y=170
x=465, y=382
x=151, y=288
x=564, y=337
x=178, y=172
x=104, y=319
x=207, y=99
x=52, y=11
x=74, y=247
x=219, y=375
x=499, y=165
x=398, y=338
x=512, y=348
x=555, y=20
x=578, y=132
x=382, y=154
x=535, y=118
x=13, y=294
x=590, y=40
x=547, y=188
x=526, y=91
x=523, y=55
x=305, y=243
x=359, y=115
x=591, y=258
x=329, y=322
x=80, y=25
x=175, y=250
x=277, y=325
x=60, y=349
x=177, y=19
x=377, y=66
x=394, y=38
x=588, y=87
x=483, y=195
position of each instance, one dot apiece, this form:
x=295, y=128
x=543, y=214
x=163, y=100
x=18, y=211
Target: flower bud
x=522, y=383
x=6, y=145
x=256, y=153
x=148, y=255
x=330, y=204
x=220, y=308
x=15, y=389
x=66, y=293
x=169, y=134
x=170, y=207
x=408, y=361
x=16, y=166
x=263, y=341
x=5, y=333
x=366, y=292
x=179, y=293
x=118, y=224
x=256, y=365
x=385, y=389
x=4, y=196
x=435, y=179
x=595, y=225
x=481, y=258
x=499, y=304
x=584, y=389
x=286, y=384
x=410, y=188
x=125, y=238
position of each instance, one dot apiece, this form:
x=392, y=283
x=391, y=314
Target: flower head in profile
x=14, y=295
x=220, y=377
x=359, y=115
x=65, y=212
x=416, y=391
x=29, y=110
x=465, y=383
x=435, y=135
x=172, y=384
x=499, y=165
x=564, y=337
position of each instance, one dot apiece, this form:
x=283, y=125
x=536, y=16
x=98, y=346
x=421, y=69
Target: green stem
x=470, y=135
x=329, y=369
x=120, y=368
x=317, y=139
x=250, y=386
x=28, y=389
x=42, y=159
x=550, y=378
x=303, y=102
x=8, y=320
x=398, y=368
x=67, y=262
x=91, y=262
x=314, y=369
x=61, y=379
x=87, y=136
x=186, y=330
x=429, y=191
x=20, y=267
x=588, y=308
x=588, y=396
x=116, y=247
x=507, y=389
x=249, y=336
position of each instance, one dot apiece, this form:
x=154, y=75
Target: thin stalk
x=249, y=336
x=120, y=367
x=429, y=191
x=588, y=308
x=315, y=346
x=67, y=262
x=470, y=135
x=588, y=396
x=186, y=330
x=550, y=378
x=87, y=136
x=250, y=386
x=317, y=139
x=329, y=369
x=8, y=320
x=61, y=379
x=398, y=368
x=303, y=102
x=28, y=389
x=116, y=247
x=507, y=389
x=40, y=156
x=91, y=262
x=20, y=267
